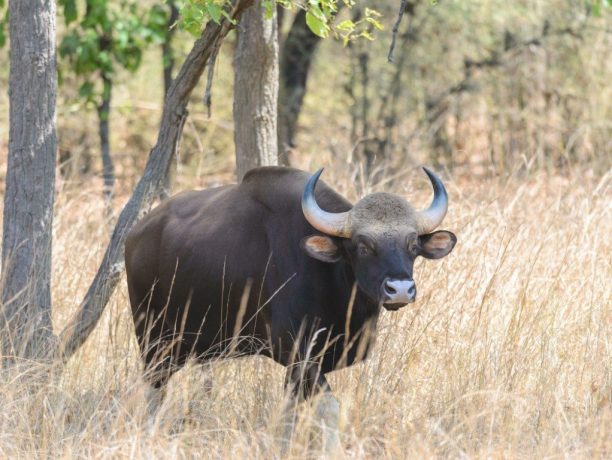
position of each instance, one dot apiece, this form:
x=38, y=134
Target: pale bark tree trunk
x=256, y=91
x=25, y=312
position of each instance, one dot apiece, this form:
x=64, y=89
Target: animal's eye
x=412, y=246
x=363, y=249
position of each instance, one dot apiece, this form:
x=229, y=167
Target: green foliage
x=363, y=28
x=320, y=16
x=598, y=5
x=195, y=13
x=108, y=36
x=70, y=10
x=3, y=23
x=134, y=29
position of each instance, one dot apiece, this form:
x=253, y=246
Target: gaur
x=279, y=265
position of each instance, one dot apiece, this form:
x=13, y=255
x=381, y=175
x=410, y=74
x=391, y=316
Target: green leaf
x=214, y=11
x=369, y=12
x=69, y=45
x=3, y=22
x=375, y=23
x=269, y=7
x=192, y=18
x=346, y=26
x=367, y=35
x=597, y=5
x=316, y=11
x=316, y=25
x=230, y=19
x=86, y=91
x=70, y=11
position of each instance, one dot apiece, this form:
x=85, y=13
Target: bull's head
x=380, y=237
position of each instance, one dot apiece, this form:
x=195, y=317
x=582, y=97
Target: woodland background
x=508, y=351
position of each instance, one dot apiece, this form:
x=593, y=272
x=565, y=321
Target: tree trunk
x=255, y=91
x=368, y=154
x=167, y=54
x=108, y=170
x=25, y=316
x=296, y=57
x=168, y=64
x=149, y=186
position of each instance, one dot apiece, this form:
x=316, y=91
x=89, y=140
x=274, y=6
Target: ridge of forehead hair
x=382, y=208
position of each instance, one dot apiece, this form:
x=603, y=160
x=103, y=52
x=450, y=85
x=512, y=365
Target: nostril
x=412, y=291
x=390, y=289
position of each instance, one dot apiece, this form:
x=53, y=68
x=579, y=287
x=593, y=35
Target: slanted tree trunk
x=25, y=312
x=255, y=91
x=150, y=184
x=296, y=57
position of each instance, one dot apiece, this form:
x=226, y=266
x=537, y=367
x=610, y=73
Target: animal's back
x=225, y=222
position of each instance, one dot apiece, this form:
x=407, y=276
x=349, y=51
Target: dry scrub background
x=506, y=353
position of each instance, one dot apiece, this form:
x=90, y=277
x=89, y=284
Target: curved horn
x=333, y=224
x=429, y=219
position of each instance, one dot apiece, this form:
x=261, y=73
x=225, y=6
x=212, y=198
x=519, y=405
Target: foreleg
x=304, y=382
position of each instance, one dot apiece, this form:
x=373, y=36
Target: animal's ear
x=437, y=244
x=321, y=248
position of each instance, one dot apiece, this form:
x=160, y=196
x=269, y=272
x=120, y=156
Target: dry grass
x=506, y=353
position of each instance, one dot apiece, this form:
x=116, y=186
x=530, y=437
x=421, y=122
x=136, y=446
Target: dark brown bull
x=275, y=263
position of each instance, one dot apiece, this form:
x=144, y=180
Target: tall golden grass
x=507, y=352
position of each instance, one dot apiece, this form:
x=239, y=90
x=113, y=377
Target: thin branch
x=210, y=76
x=400, y=15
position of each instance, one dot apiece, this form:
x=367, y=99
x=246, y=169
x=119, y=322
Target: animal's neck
x=360, y=314
x=359, y=303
